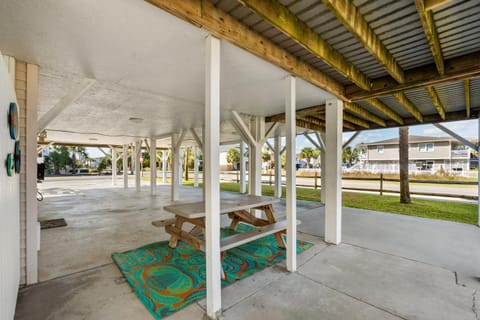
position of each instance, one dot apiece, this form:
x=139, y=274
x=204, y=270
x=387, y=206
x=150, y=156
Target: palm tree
x=307, y=153
x=403, y=153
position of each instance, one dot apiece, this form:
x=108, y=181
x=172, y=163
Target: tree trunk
x=403, y=150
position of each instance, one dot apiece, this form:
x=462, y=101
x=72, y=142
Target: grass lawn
x=434, y=209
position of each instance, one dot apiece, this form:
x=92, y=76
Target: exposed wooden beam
x=433, y=4
x=359, y=111
x=283, y=19
x=436, y=101
x=466, y=84
x=408, y=105
x=311, y=110
x=383, y=108
x=456, y=69
x=312, y=120
x=431, y=118
x=355, y=120
x=353, y=20
x=309, y=126
x=426, y=17
x=204, y=14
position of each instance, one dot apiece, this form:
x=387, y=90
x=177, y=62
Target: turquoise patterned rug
x=167, y=280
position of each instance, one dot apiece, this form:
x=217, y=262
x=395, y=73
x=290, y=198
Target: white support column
x=323, y=169
x=333, y=172
x=31, y=204
x=132, y=157
x=291, y=195
x=243, y=186
x=137, y=164
x=255, y=151
x=212, y=177
x=114, y=167
x=164, y=166
x=153, y=166
x=125, y=166
x=175, y=167
x=195, y=167
x=278, y=166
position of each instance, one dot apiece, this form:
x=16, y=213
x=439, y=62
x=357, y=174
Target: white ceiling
x=147, y=64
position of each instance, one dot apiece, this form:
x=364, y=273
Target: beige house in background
x=426, y=154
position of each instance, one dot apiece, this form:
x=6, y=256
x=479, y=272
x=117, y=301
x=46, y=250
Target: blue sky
x=467, y=128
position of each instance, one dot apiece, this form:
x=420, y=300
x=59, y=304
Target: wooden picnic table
x=238, y=209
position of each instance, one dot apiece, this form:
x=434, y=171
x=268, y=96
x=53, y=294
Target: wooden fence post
x=316, y=183
x=381, y=184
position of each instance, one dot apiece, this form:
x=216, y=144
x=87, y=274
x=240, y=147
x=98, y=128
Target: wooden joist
x=204, y=14
x=433, y=4
x=426, y=17
x=284, y=20
x=466, y=84
x=353, y=20
x=456, y=69
x=408, y=105
x=359, y=111
x=383, y=108
x=355, y=120
x=436, y=101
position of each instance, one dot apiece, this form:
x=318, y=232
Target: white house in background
x=426, y=155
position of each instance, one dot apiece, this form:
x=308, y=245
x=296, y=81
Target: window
x=425, y=147
x=380, y=149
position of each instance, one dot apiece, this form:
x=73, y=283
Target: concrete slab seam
x=353, y=297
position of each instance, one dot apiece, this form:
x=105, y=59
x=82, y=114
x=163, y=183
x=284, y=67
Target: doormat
x=53, y=223
x=167, y=280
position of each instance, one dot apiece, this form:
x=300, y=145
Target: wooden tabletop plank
x=242, y=202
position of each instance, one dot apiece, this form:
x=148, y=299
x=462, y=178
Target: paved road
x=440, y=189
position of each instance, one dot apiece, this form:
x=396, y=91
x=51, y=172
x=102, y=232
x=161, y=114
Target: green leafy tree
x=104, y=163
x=349, y=156
x=58, y=158
x=233, y=156
x=307, y=153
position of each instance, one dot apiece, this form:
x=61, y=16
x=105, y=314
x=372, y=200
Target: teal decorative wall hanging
x=13, y=120
x=17, y=156
x=10, y=164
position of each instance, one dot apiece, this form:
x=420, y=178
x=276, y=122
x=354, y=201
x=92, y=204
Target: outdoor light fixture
x=136, y=120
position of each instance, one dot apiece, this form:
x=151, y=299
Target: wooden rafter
x=456, y=69
x=356, y=109
x=313, y=120
x=354, y=120
x=408, y=105
x=433, y=4
x=383, y=108
x=436, y=101
x=353, y=20
x=426, y=17
x=466, y=84
x=311, y=110
x=283, y=19
x=205, y=15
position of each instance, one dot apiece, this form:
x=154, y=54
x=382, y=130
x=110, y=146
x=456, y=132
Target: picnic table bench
x=238, y=209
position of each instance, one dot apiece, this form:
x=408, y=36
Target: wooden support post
x=333, y=172
x=153, y=166
x=291, y=194
x=381, y=184
x=316, y=177
x=211, y=179
x=138, y=153
x=125, y=166
x=243, y=186
x=175, y=168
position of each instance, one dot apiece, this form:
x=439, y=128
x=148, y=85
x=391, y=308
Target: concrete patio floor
x=388, y=267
